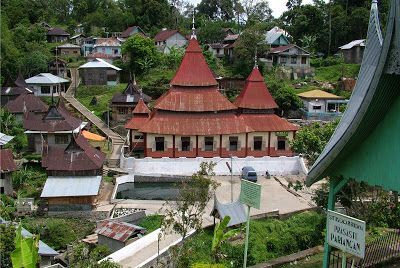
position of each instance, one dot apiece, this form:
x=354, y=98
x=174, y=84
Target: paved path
x=117, y=140
x=273, y=196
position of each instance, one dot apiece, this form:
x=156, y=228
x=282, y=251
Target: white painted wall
x=187, y=166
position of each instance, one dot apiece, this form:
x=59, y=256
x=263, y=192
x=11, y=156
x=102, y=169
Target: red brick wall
x=240, y=153
x=274, y=152
x=159, y=154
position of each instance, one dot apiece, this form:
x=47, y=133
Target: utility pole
x=330, y=28
x=231, y=179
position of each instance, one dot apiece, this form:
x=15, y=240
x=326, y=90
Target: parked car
x=249, y=173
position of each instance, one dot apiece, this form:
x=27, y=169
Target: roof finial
x=255, y=59
x=193, y=29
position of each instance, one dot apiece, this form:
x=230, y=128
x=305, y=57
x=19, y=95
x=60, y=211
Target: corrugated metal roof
x=281, y=49
x=7, y=163
x=26, y=103
x=318, y=94
x=195, y=99
x=255, y=94
x=141, y=108
x=98, y=63
x=210, y=123
x=68, y=46
x=267, y=122
x=234, y=210
x=4, y=139
x=107, y=42
x=137, y=121
x=117, y=230
x=71, y=186
x=165, y=34
x=45, y=78
x=355, y=43
x=57, y=31
x=193, y=70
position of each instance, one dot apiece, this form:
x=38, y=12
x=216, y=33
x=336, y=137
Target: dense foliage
x=151, y=222
x=9, y=125
x=59, y=232
x=29, y=181
x=269, y=238
x=85, y=256
x=6, y=244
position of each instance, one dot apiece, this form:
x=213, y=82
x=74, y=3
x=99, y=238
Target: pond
x=148, y=191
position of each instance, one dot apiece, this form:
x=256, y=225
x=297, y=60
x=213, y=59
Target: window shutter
x=227, y=145
x=214, y=145
x=264, y=144
x=191, y=146
x=239, y=145
x=153, y=146
x=165, y=145
x=179, y=146
x=202, y=144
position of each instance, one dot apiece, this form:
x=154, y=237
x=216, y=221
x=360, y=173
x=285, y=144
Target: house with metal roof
x=54, y=128
x=365, y=145
x=26, y=103
x=116, y=234
x=109, y=47
x=99, y=72
x=68, y=50
x=123, y=103
x=290, y=57
x=321, y=105
x=7, y=166
x=353, y=52
x=132, y=30
x=276, y=37
x=46, y=84
x=167, y=39
x=55, y=35
x=193, y=119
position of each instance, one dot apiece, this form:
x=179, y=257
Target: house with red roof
x=193, y=119
x=132, y=30
x=54, y=128
x=7, y=166
x=167, y=39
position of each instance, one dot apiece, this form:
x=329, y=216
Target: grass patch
x=151, y=222
x=59, y=232
x=334, y=72
x=103, y=95
x=314, y=261
x=103, y=146
x=29, y=180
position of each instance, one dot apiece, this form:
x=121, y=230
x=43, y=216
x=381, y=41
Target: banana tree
x=221, y=235
x=26, y=251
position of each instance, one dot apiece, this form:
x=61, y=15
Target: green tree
x=26, y=252
x=10, y=126
x=210, y=32
x=83, y=256
x=311, y=140
x=221, y=235
x=141, y=52
x=7, y=245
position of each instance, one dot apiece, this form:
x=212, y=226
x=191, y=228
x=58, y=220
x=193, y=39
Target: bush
x=59, y=232
x=335, y=72
x=151, y=223
x=29, y=181
x=324, y=62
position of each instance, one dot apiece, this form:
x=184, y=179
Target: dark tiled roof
x=26, y=103
x=21, y=87
x=7, y=163
x=128, y=31
x=78, y=156
x=56, y=119
x=57, y=31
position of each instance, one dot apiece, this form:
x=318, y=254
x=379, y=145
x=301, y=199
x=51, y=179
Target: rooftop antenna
x=255, y=59
x=193, y=29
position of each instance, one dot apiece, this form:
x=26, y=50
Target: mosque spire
x=193, y=28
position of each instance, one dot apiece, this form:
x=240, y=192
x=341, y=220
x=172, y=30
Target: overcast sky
x=277, y=6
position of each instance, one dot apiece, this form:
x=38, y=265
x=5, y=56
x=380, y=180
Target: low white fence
x=187, y=166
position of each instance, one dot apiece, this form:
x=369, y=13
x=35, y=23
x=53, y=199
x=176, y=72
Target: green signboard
x=250, y=194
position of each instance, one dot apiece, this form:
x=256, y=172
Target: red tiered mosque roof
x=140, y=117
x=163, y=122
x=255, y=94
x=267, y=122
x=193, y=70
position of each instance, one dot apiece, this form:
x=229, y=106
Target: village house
x=77, y=39
x=132, y=31
x=99, y=72
x=226, y=47
x=353, y=52
x=68, y=50
x=276, y=37
x=26, y=103
x=46, y=84
x=87, y=45
x=123, y=103
x=106, y=48
x=321, y=105
x=7, y=166
x=140, y=116
x=74, y=175
x=57, y=35
x=292, y=58
x=116, y=234
x=55, y=128
x=58, y=67
x=11, y=93
x=185, y=123
x=167, y=39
